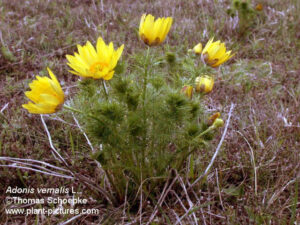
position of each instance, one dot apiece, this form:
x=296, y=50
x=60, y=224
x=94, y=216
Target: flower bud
x=259, y=7
x=236, y=3
x=187, y=90
x=204, y=84
x=190, y=50
x=244, y=5
x=213, y=118
x=218, y=123
x=198, y=49
x=171, y=57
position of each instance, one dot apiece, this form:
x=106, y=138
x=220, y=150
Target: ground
x=255, y=178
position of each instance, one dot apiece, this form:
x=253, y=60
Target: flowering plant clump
x=147, y=122
x=245, y=13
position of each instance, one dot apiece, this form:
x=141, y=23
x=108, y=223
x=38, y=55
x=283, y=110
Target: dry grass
x=255, y=177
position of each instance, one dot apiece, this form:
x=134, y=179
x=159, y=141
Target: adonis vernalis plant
x=146, y=123
x=246, y=14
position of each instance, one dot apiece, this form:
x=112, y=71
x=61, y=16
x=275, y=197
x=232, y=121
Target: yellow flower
x=187, y=90
x=46, y=95
x=214, y=53
x=198, y=49
x=154, y=32
x=96, y=63
x=204, y=84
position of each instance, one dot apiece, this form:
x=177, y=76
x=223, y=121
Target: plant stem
x=105, y=89
x=145, y=78
x=93, y=117
x=111, y=181
x=73, y=109
x=184, y=156
x=144, y=108
x=206, y=131
x=79, y=111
